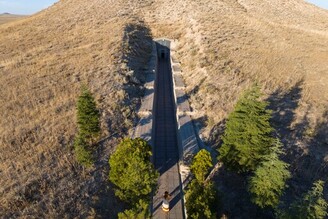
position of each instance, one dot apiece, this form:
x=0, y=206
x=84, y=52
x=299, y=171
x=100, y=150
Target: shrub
x=140, y=211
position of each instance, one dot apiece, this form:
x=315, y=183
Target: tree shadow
x=137, y=48
x=136, y=51
x=215, y=134
x=196, y=88
x=135, y=54
x=310, y=166
x=283, y=105
x=235, y=198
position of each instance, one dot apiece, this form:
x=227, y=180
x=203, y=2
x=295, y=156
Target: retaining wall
x=187, y=140
x=144, y=128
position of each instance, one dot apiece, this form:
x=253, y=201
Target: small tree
x=82, y=153
x=269, y=180
x=201, y=200
x=140, y=211
x=201, y=165
x=88, y=127
x=131, y=170
x=201, y=195
x=248, y=135
x=88, y=117
x=312, y=206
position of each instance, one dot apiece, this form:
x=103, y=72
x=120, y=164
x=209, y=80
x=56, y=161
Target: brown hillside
x=224, y=46
x=6, y=18
x=44, y=59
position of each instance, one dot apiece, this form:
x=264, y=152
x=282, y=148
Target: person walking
x=166, y=203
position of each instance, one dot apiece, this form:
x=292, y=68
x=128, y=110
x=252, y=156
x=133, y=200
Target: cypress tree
x=201, y=165
x=269, y=180
x=311, y=206
x=88, y=117
x=88, y=127
x=201, y=196
x=248, y=135
x=82, y=152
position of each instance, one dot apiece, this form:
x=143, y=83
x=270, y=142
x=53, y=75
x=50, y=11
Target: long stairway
x=166, y=154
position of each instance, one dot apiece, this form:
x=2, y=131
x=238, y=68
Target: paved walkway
x=166, y=153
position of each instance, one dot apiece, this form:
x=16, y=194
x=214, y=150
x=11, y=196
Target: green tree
x=82, y=152
x=248, y=135
x=201, y=196
x=131, y=170
x=201, y=165
x=269, y=180
x=201, y=200
x=311, y=206
x=88, y=117
x=140, y=211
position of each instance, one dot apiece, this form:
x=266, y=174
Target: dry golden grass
x=230, y=44
x=224, y=47
x=44, y=59
x=6, y=18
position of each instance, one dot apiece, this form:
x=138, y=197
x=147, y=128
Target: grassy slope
x=44, y=59
x=224, y=47
x=6, y=18
x=231, y=43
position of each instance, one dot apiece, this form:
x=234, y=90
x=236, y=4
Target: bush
x=131, y=170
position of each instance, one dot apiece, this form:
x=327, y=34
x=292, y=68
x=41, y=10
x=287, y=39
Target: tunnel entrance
x=166, y=152
x=163, y=49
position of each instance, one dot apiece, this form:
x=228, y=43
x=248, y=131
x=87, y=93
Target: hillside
x=44, y=60
x=224, y=47
x=6, y=18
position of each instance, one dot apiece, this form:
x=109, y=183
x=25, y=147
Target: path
x=166, y=155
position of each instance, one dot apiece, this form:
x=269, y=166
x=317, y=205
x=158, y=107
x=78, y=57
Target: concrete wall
x=187, y=139
x=144, y=128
